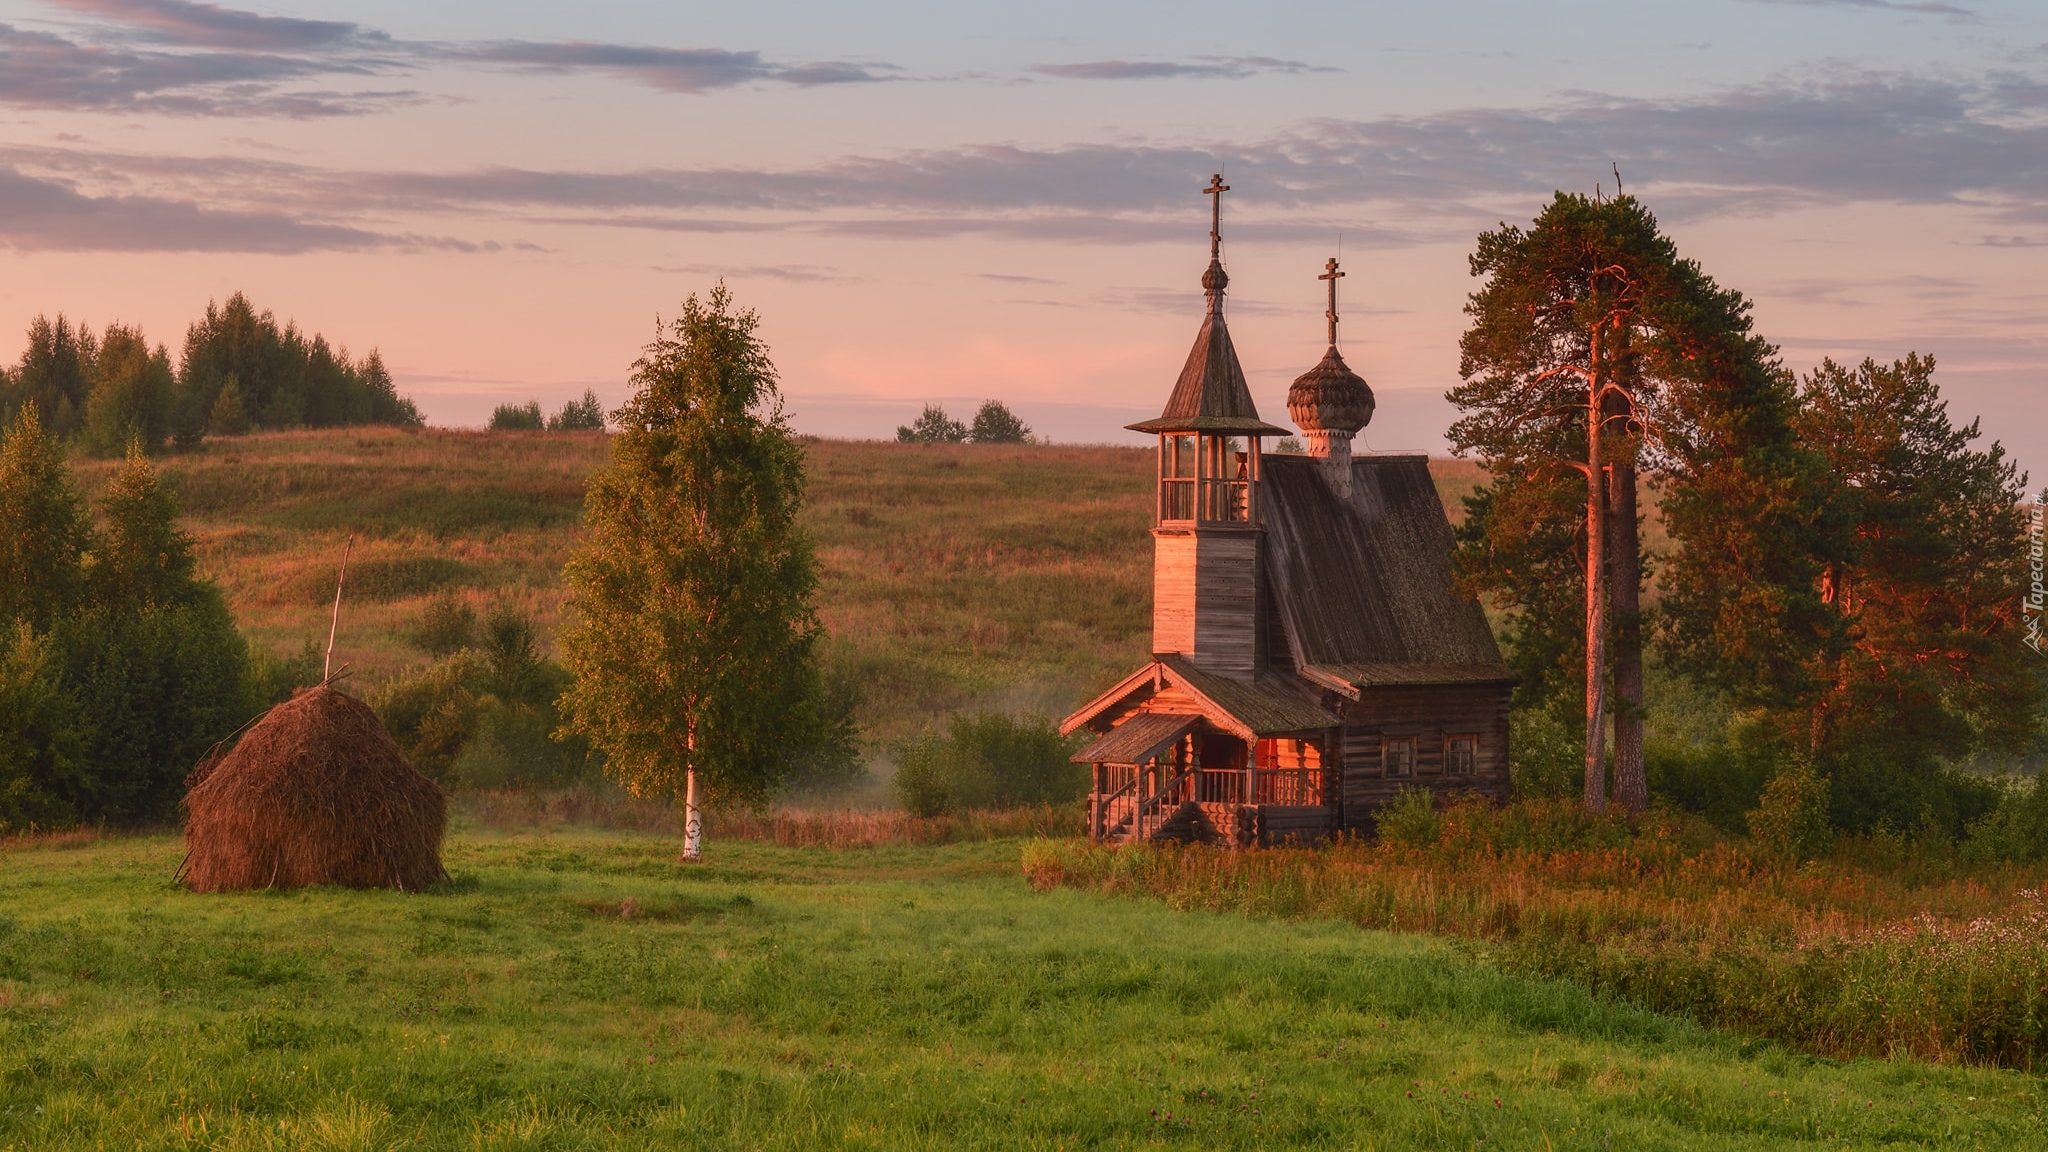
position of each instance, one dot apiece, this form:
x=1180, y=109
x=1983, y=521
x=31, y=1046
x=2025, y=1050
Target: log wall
x=1429, y=716
x=1205, y=598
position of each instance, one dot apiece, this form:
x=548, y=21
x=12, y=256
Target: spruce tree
x=44, y=531
x=692, y=629
x=133, y=394
x=152, y=656
x=55, y=373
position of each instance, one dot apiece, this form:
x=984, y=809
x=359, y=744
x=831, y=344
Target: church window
x=1461, y=755
x=1397, y=756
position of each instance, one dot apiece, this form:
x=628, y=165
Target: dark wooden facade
x=1311, y=655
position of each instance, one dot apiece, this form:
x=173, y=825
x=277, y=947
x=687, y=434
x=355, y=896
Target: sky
x=949, y=202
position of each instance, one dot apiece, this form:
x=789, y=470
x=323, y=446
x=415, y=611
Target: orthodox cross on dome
x=1332, y=274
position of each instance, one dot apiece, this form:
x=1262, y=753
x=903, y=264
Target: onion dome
x=1330, y=397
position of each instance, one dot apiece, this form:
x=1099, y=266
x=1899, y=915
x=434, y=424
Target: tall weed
x=1876, y=949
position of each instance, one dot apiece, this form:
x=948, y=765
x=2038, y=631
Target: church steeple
x=1211, y=394
x=1206, y=562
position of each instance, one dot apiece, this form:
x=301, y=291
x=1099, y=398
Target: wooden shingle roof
x=1211, y=394
x=1138, y=739
x=1363, y=584
x=1271, y=705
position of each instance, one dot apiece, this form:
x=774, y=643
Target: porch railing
x=1131, y=800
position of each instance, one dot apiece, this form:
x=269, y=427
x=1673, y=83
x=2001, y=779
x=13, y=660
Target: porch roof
x=1271, y=705
x=1138, y=739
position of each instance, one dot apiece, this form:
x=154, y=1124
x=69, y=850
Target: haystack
x=316, y=793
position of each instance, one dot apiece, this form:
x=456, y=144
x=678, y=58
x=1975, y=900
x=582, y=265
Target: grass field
x=955, y=576
x=580, y=990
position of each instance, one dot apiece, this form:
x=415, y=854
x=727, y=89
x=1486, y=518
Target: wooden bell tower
x=1206, y=577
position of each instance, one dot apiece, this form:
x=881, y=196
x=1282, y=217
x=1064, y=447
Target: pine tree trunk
x=1625, y=572
x=1596, y=594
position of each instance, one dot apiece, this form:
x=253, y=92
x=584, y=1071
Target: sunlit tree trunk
x=1631, y=786
x=693, y=820
x=1625, y=581
x=1596, y=591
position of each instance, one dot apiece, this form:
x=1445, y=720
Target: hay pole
x=327, y=668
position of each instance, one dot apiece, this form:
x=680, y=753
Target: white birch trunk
x=693, y=821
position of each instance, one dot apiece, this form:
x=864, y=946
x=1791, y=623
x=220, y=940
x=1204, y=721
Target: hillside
x=954, y=575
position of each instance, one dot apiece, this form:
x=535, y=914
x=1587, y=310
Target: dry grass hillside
x=954, y=575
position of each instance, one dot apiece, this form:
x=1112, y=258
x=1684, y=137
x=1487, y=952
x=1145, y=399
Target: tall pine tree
x=1592, y=345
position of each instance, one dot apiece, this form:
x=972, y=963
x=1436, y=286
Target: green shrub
x=830, y=762
x=1411, y=820
x=273, y=678
x=1721, y=781
x=445, y=626
x=1546, y=756
x=513, y=747
x=485, y=717
x=923, y=775
x=1790, y=821
x=585, y=415
x=517, y=417
x=41, y=754
x=434, y=711
x=2017, y=829
x=987, y=760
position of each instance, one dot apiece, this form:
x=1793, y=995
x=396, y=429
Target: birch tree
x=692, y=629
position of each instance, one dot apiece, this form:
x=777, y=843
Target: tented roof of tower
x=1363, y=585
x=1211, y=395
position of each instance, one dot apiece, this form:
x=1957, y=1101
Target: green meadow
x=580, y=989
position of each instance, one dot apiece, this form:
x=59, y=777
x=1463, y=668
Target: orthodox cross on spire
x=1214, y=280
x=1332, y=274
x=1216, y=188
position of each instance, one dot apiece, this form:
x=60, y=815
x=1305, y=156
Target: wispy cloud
x=1956, y=13
x=212, y=26
x=666, y=69
x=42, y=70
x=1203, y=67
x=1855, y=139
x=796, y=273
x=176, y=57
x=38, y=214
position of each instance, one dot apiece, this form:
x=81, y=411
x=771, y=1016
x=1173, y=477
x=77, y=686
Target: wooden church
x=1311, y=657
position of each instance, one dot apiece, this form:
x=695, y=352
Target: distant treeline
x=239, y=371
x=584, y=415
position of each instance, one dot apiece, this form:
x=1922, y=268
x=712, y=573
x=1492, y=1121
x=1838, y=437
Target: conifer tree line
x=1841, y=591
x=239, y=370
